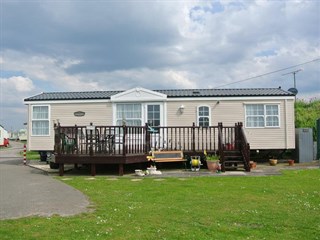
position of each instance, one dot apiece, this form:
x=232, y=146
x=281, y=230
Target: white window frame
x=160, y=112
x=198, y=115
x=125, y=120
x=40, y=120
x=265, y=116
x=144, y=111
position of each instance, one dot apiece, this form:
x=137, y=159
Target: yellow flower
x=205, y=152
x=149, y=158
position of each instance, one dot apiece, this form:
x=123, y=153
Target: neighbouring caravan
x=22, y=135
x=4, y=137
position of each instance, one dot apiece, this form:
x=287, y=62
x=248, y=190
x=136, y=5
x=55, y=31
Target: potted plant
x=291, y=162
x=253, y=165
x=212, y=162
x=273, y=161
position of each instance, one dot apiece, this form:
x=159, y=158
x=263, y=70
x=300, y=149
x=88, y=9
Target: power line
x=268, y=73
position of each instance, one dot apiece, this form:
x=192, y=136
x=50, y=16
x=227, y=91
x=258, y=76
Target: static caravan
x=267, y=114
x=22, y=135
x=4, y=137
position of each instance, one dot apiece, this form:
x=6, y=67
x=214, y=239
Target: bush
x=306, y=115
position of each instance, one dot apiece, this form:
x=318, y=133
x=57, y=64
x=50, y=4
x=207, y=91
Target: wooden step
x=233, y=157
x=235, y=161
x=232, y=152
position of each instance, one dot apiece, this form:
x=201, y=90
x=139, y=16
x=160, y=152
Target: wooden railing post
x=91, y=142
x=221, y=146
x=57, y=139
x=125, y=130
x=236, y=136
x=193, y=145
x=147, y=139
x=76, y=138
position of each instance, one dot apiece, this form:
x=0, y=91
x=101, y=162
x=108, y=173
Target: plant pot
x=291, y=162
x=273, y=162
x=253, y=165
x=212, y=166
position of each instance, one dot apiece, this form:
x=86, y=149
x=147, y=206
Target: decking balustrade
x=131, y=144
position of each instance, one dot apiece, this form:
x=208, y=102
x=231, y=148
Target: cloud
x=19, y=84
x=116, y=45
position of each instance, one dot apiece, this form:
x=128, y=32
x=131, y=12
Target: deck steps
x=233, y=160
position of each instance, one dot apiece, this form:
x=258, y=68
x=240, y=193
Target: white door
x=155, y=119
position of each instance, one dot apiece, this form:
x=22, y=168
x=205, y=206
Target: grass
x=32, y=155
x=272, y=207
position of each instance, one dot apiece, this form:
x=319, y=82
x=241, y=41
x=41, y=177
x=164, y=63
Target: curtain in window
x=40, y=128
x=129, y=114
x=260, y=115
x=40, y=120
x=203, y=116
x=40, y=112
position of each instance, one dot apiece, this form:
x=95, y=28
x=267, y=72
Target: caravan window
x=262, y=115
x=129, y=114
x=203, y=116
x=40, y=120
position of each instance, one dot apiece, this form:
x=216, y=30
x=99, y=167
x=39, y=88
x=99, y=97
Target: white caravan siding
x=225, y=110
x=230, y=111
x=100, y=114
x=97, y=113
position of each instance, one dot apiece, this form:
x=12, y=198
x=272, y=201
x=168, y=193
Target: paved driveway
x=26, y=191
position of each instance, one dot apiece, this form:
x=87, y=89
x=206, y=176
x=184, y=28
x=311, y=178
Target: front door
x=154, y=119
x=154, y=115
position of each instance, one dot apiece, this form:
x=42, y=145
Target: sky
x=80, y=45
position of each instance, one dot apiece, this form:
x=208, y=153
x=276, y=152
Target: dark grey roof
x=241, y=92
x=171, y=93
x=72, y=95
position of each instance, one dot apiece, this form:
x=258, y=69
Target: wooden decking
x=131, y=144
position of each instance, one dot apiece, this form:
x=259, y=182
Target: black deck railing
x=188, y=139
x=244, y=146
x=129, y=140
x=233, y=139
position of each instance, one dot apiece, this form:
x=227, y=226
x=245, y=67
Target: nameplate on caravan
x=79, y=114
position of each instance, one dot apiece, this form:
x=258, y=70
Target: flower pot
x=273, y=162
x=253, y=165
x=291, y=162
x=212, y=166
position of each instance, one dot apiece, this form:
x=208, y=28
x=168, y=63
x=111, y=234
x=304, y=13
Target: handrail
x=244, y=146
x=221, y=146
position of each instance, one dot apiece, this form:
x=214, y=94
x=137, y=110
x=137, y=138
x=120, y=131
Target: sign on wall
x=79, y=114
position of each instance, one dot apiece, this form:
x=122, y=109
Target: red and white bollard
x=24, y=155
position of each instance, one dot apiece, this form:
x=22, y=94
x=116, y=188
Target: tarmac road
x=26, y=191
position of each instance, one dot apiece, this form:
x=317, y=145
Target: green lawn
x=31, y=155
x=272, y=207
